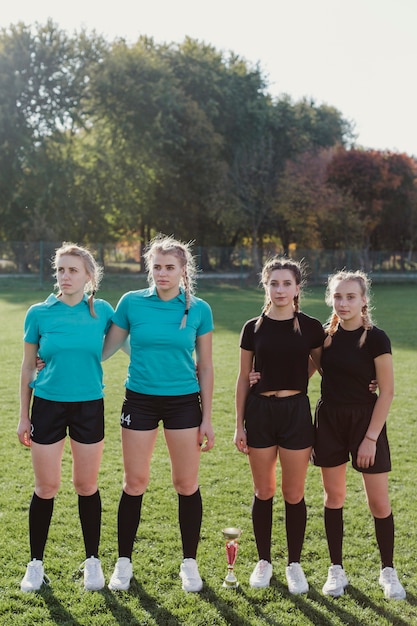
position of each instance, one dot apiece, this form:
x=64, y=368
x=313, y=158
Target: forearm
x=27, y=376
x=242, y=390
x=379, y=415
x=206, y=380
x=115, y=339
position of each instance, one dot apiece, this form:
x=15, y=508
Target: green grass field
x=155, y=597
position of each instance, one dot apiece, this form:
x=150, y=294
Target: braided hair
x=93, y=269
x=364, y=283
x=163, y=244
x=297, y=270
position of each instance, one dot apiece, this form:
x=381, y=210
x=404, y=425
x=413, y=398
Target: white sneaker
x=191, y=580
x=261, y=575
x=392, y=587
x=123, y=572
x=93, y=574
x=34, y=576
x=297, y=582
x=336, y=582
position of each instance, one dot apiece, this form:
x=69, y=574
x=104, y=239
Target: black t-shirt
x=348, y=369
x=281, y=354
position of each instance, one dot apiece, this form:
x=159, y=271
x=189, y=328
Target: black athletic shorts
x=339, y=431
x=143, y=412
x=271, y=421
x=51, y=420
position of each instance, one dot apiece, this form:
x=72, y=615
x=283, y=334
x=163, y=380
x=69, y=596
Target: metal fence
x=34, y=259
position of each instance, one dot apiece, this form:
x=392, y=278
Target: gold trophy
x=231, y=535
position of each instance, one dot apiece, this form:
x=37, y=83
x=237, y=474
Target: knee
x=135, y=485
x=47, y=491
x=84, y=488
x=334, y=500
x=380, y=508
x=185, y=487
x=293, y=495
x=265, y=493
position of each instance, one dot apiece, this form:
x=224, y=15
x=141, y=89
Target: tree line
x=106, y=141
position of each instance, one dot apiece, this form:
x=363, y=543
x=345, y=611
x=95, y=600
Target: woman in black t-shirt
x=273, y=417
x=350, y=422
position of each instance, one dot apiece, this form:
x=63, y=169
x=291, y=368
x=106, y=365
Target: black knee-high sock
x=40, y=514
x=190, y=514
x=262, y=526
x=128, y=518
x=295, y=524
x=333, y=524
x=89, y=509
x=384, y=531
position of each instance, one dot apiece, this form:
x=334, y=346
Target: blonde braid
x=331, y=329
x=260, y=319
x=367, y=324
x=297, y=328
x=187, y=299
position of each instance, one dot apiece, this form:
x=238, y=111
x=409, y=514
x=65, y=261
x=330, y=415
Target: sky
x=359, y=56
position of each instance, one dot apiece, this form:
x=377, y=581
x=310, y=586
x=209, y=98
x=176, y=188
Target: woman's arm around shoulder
x=314, y=361
x=115, y=339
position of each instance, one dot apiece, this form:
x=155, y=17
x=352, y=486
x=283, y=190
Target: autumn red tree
x=369, y=178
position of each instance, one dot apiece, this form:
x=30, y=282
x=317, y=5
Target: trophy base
x=230, y=582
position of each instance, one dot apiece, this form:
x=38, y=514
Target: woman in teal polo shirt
x=167, y=324
x=67, y=331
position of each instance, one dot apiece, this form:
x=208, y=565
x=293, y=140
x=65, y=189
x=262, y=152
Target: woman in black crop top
x=273, y=418
x=350, y=422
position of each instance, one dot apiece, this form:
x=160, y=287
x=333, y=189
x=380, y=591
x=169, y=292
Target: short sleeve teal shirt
x=162, y=354
x=70, y=342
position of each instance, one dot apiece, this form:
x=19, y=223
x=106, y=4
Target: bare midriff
x=281, y=393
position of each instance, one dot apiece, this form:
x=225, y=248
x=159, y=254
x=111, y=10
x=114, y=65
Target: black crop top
x=348, y=369
x=281, y=354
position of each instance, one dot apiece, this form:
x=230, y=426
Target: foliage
x=114, y=141
x=376, y=180
x=156, y=597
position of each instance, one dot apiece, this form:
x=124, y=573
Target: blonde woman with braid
x=273, y=417
x=350, y=423
x=167, y=324
x=67, y=331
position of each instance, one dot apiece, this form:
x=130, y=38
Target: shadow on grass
x=124, y=616
x=223, y=606
x=334, y=606
x=365, y=602
x=58, y=613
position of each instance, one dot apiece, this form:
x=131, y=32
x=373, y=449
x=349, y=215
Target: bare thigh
x=184, y=451
x=138, y=446
x=334, y=484
x=263, y=463
x=86, y=459
x=294, y=464
x=376, y=488
x=46, y=461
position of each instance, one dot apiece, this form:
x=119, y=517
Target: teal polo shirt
x=70, y=342
x=162, y=354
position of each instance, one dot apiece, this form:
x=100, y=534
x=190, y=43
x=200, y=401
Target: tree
x=363, y=176
x=43, y=80
x=397, y=229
